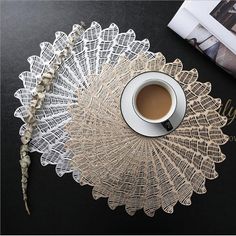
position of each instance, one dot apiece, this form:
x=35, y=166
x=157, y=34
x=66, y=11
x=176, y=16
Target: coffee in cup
x=155, y=102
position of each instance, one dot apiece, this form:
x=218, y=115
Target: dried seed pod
x=38, y=95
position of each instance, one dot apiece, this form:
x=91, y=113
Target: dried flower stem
x=38, y=96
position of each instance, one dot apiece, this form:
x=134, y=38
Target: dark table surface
x=61, y=206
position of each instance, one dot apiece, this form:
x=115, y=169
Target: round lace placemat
x=71, y=109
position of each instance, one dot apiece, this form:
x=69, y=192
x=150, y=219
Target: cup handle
x=167, y=125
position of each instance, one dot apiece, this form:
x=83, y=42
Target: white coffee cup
x=164, y=120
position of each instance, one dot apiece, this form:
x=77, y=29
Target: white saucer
x=139, y=125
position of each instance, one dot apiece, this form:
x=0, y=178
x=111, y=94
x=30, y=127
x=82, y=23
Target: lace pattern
x=136, y=171
x=82, y=110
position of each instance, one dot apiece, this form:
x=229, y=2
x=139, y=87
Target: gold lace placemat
x=136, y=171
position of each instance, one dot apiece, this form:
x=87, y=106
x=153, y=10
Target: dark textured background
x=61, y=206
